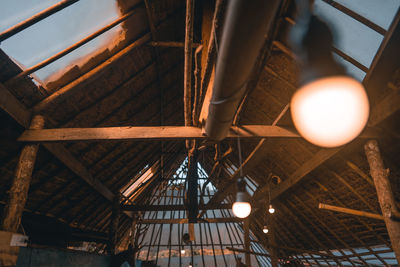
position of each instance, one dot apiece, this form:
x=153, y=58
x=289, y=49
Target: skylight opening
x=179, y=178
x=132, y=190
x=57, y=32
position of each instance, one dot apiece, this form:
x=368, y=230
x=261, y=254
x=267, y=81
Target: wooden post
x=246, y=226
x=18, y=193
x=114, y=223
x=384, y=192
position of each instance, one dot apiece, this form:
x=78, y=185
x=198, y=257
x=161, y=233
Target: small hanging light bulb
x=241, y=208
x=265, y=229
x=271, y=209
x=183, y=251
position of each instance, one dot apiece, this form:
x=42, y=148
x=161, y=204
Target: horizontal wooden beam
x=182, y=221
x=172, y=207
x=350, y=211
x=156, y=133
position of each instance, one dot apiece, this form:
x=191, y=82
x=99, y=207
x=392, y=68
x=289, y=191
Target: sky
x=56, y=32
x=79, y=20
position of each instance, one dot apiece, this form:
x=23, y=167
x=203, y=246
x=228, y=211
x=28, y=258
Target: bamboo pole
x=18, y=193
x=188, y=62
x=350, y=211
x=384, y=192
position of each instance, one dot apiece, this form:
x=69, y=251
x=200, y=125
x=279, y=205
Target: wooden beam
x=187, y=73
x=172, y=207
x=17, y=111
x=350, y=211
x=35, y=18
x=318, y=159
x=384, y=192
x=183, y=221
x=13, y=107
x=18, y=193
x=63, y=154
x=149, y=133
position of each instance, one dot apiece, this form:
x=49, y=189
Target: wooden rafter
x=16, y=110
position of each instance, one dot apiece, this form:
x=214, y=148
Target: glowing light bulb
x=331, y=111
x=265, y=229
x=183, y=251
x=241, y=209
x=271, y=209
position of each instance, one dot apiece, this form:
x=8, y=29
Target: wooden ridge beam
x=158, y=133
x=172, y=207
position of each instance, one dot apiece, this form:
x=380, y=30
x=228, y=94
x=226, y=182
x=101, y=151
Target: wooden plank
x=13, y=107
x=156, y=133
x=350, y=211
x=147, y=133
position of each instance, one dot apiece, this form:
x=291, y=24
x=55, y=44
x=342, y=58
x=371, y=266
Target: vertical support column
x=384, y=192
x=246, y=226
x=192, y=195
x=18, y=193
x=114, y=223
x=272, y=243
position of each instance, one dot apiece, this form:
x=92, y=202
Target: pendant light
x=241, y=208
x=329, y=109
x=265, y=229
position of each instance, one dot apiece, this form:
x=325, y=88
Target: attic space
x=199, y=133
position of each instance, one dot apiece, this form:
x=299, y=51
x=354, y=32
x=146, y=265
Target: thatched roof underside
x=144, y=87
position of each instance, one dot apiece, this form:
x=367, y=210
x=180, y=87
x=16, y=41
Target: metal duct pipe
x=246, y=26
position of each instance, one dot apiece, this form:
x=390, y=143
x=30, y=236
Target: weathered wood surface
x=350, y=211
x=18, y=193
x=158, y=133
x=384, y=192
